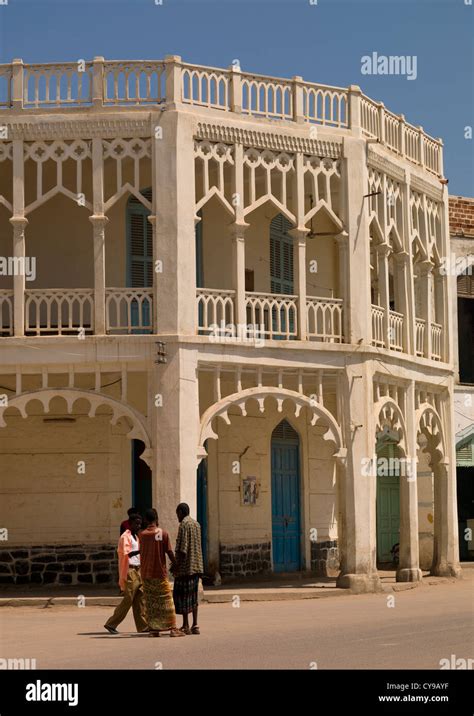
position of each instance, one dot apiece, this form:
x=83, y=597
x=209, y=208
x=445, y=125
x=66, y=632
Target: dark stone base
x=245, y=560
x=59, y=564
x=325, y=558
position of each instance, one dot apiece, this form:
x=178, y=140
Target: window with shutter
x=140, y=244
x=281, y=256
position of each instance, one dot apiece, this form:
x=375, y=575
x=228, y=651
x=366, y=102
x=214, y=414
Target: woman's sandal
x=185, y=630
x=177, y=632
x=195, y=630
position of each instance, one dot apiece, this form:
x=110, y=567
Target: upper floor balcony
x=290, y=243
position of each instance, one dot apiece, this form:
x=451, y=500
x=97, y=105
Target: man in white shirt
x=130, y=579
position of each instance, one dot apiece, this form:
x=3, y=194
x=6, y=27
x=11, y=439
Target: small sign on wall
x=249, y=491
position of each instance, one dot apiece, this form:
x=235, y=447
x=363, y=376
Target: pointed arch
x=139, y=429
x=221, y=408
x=428, y=422
x=390, y=417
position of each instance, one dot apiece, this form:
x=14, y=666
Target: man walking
x=130, y=580
x=188, y=568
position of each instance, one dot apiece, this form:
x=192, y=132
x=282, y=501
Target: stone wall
x=59, y=564
x=325, y=558
x=245, y=560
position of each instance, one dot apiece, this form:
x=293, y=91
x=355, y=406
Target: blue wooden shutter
x=281, y=256
x=139, y=243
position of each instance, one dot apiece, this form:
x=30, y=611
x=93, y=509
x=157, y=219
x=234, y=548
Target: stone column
x=426, y=279
x=383, y=251
x=99, y=223
x=343, y=248
x=358, y=491
x=356, y=222
x=402, y=259
x=446, y=541
x=299, y=264
x=409, y=562
x=154, y=321
x=19, y=224
x=175, y=242
x=175, y=427
x=238, y=274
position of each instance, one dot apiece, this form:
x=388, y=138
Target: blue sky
x=323, y=43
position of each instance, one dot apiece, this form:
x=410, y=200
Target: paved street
x=425, y=625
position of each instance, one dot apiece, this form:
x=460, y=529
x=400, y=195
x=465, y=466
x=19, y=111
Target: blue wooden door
x=286, y=528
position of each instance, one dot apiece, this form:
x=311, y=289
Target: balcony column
x=299, y=267
x=426, y=279
x=402, y=259
x=409, y=563
x=19, y=224
x=383, y=251
x=237, y=231
x=342, y=240
x=98, y=224
x=154, y=322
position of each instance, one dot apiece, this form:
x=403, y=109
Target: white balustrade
x=144, y=82
x=324, y=319
x=215, y=310
x=325, y=105
x=370, y=117
x=395, y=327
x=436, y=341
x=59, y=311
x=129, y=310
x=272, y=315
x=5, y=86
x=420, y=336
x=378, y=326
x=205, y=86
x=6, y=313
x=57, y=85
x=134, y=83
x=267, y=97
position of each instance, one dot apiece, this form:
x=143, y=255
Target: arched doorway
x=388, y=496
x=285, y=480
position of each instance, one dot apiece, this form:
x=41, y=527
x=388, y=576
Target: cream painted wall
x=43, y=498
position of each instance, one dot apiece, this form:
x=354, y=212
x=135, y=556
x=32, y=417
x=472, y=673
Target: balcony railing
x=215, y=310
x=436, y=341
x=324, y=319
x=129, y=310
x=272, y=315
x=59, y=311
x=395, y=328
x=6, y=313
x=104, y=83
x=420, y=336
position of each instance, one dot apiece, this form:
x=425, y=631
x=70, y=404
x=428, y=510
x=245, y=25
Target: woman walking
x=154, y=546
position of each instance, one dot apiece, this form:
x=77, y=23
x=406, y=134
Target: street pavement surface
x=425, y=625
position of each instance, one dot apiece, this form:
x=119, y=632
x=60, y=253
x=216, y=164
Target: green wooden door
x=388, y=506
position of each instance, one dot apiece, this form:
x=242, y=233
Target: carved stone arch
x=260, y=394
x=322, y=209
x=214, y=192
x=376, y=230
x=270, y=199
x=389, y=417
x=138, y=431
x=429, y=423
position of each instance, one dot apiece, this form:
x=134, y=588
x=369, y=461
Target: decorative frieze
x=260, y=139
x=108, y=128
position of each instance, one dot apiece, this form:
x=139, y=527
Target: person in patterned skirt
x=187, y=569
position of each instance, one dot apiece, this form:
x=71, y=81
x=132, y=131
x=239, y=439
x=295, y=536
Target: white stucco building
x=283, y=240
